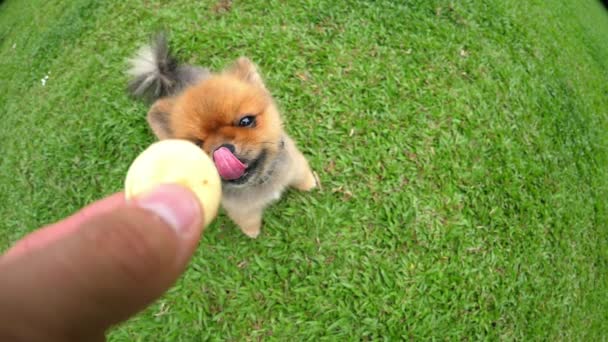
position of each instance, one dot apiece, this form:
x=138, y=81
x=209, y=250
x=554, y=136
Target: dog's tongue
x=227, y=164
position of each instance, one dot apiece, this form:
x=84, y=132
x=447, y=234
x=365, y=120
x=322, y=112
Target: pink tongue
x=227, y=164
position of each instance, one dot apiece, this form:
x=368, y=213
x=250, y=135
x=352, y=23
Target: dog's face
x=232, y=117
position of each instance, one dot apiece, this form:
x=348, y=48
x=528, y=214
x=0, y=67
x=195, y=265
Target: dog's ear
x=159, y=118
x=244, y=69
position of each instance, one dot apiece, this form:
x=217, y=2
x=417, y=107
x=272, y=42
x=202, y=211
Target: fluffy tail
x=156, y=73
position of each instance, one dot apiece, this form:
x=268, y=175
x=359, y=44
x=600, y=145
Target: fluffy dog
x=232, y=116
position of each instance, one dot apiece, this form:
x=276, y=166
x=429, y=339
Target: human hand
x=74, y=279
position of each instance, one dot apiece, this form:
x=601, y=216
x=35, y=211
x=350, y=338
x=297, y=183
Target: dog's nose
x=230, y=147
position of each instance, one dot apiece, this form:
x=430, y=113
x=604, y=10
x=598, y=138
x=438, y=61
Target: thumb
x=112, y=266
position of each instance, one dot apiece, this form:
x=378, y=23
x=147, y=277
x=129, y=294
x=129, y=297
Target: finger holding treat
x=179, y=162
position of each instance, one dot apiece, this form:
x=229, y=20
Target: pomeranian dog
x=232, y=116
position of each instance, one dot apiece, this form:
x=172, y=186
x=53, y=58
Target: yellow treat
x=180, y=162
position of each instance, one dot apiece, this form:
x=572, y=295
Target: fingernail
x=176, y=205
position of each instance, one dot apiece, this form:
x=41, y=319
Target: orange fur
x=209, y=112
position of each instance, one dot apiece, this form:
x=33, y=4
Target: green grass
x=462, y=147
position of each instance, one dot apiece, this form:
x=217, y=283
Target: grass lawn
x=462, y=147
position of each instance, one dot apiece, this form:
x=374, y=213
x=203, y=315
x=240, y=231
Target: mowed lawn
x=462, y=148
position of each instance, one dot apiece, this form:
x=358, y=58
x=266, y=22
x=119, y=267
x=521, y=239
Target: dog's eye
x=247, y=121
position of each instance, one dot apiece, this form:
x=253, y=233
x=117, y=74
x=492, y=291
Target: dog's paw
x=252, y=232
x=310, y=182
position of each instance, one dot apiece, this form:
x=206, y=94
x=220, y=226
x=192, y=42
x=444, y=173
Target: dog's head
x=232, y=117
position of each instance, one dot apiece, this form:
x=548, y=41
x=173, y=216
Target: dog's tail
x=156, y=73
